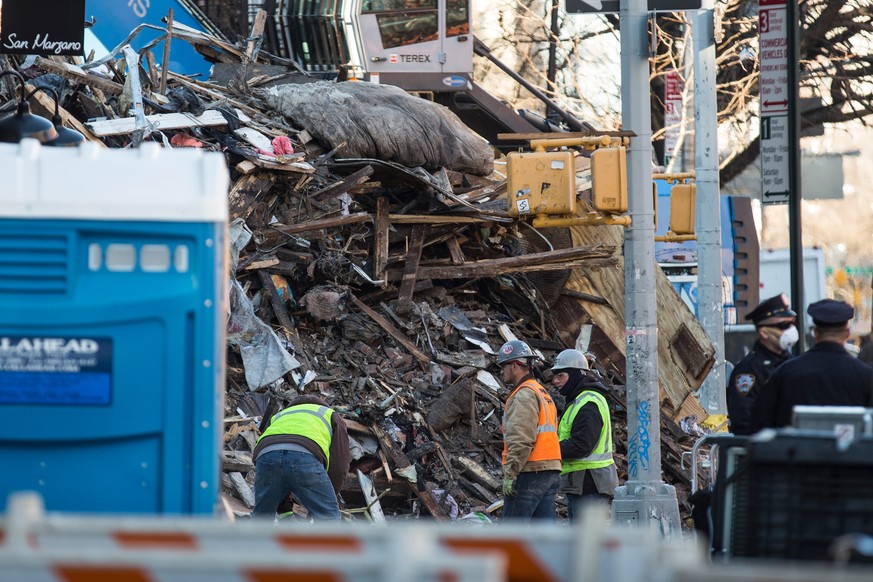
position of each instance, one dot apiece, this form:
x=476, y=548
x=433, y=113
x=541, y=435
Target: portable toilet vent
x=112, y=326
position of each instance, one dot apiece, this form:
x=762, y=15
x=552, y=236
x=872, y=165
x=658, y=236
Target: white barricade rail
x=403, y=552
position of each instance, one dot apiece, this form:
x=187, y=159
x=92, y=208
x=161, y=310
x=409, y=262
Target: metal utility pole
x=710, y=304
x=645, y=499
x=795, y=237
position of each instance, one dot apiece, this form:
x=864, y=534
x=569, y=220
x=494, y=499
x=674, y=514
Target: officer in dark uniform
x=826, y=375
x=776, y=334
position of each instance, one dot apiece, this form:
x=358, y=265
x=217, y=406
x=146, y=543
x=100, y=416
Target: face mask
x=788, y=338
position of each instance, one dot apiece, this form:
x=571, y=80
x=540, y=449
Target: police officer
x=585, y=434
x=304, y=451
x=776, y=335
x=531, y=453
x=826, y=375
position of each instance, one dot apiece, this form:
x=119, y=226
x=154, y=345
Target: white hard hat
x=570, y=359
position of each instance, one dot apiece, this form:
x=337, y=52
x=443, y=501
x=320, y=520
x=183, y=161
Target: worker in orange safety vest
x=531, y=452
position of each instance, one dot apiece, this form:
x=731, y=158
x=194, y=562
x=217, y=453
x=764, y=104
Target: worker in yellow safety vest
x=531, y=454
x=304, y=452
x=585, y=434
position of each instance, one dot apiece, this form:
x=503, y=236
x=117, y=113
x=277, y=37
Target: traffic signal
x=609, y=179
x=541, y=183
x=683, y=198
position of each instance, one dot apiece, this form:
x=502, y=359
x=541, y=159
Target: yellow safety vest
x=601, y=456
x=309, y=420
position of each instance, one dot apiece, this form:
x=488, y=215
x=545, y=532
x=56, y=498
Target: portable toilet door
x=112, y=326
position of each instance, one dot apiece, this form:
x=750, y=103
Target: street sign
x=602, y=6
x=673, y=88
x=773, y=96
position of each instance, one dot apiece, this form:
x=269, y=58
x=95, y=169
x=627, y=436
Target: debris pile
x=373, y=263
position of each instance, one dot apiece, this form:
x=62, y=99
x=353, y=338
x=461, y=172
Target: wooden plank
x=165, y=58
x=163, y=121
x=247, y=191
x=476, y=473
x=428, y=219
x=455, y=250
x=252, y=164
x=392, y=331
x=321, y=223
x=410, y=269
x=346, y=184
x=74, y=73
x=243, y=488
x=45, y=106
x=369, y=490
x=279, y=309
x=559, y=259
x=380, y=240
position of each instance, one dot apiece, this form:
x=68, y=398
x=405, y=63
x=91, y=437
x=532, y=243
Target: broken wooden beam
x=248, y=191
x=321, y=223
x=410, y=268
x=77, y=74
x=380, y=240
x=392, y=331
x=162, y=121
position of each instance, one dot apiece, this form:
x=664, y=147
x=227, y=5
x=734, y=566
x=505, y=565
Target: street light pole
x=645, y=499
x=710, y=303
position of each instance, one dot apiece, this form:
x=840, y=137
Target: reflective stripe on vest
x=309, y=420
x=601, y=456
x=546, y=446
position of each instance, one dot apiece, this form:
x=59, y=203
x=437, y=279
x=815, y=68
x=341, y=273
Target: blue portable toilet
x=113, y=305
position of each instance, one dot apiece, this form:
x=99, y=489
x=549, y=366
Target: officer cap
x=777, y=306
x=830, y=313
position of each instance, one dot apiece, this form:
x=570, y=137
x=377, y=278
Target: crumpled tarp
x=264, y=357
x=383, y=122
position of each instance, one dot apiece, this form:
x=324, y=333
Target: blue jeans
x=280, y=473
x=534, y=498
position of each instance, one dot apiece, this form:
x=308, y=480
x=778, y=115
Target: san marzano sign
x=42, y=27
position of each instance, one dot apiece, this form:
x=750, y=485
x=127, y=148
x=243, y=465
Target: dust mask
x=788, y=338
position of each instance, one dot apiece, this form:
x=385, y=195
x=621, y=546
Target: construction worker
x=531, y=453
x=776, y=335
x=826, y=375
x=304, y=451
x=585, y=434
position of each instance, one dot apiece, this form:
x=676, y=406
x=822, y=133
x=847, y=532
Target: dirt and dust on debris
x=373, y=263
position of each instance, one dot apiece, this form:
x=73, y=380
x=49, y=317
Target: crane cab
x=417, y=45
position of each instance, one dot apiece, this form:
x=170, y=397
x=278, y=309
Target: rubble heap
x=386, y=288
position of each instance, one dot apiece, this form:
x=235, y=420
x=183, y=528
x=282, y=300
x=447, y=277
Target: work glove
x=509, y=488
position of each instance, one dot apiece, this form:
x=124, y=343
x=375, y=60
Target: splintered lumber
x=372, y=499
x=402, y=463
x=45, y=106
x=162, y=121
x=236, y=461
x=685, y=353
x=324, y=223
x=243, y=488
x=392, y=331
x=476, y=473
x=74, y=73
x=559, y=259
x=413, y=256
x=380, y=242
x=248, y=191
x=346, y=184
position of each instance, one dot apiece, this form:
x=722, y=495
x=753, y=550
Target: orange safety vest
x=546, y=447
